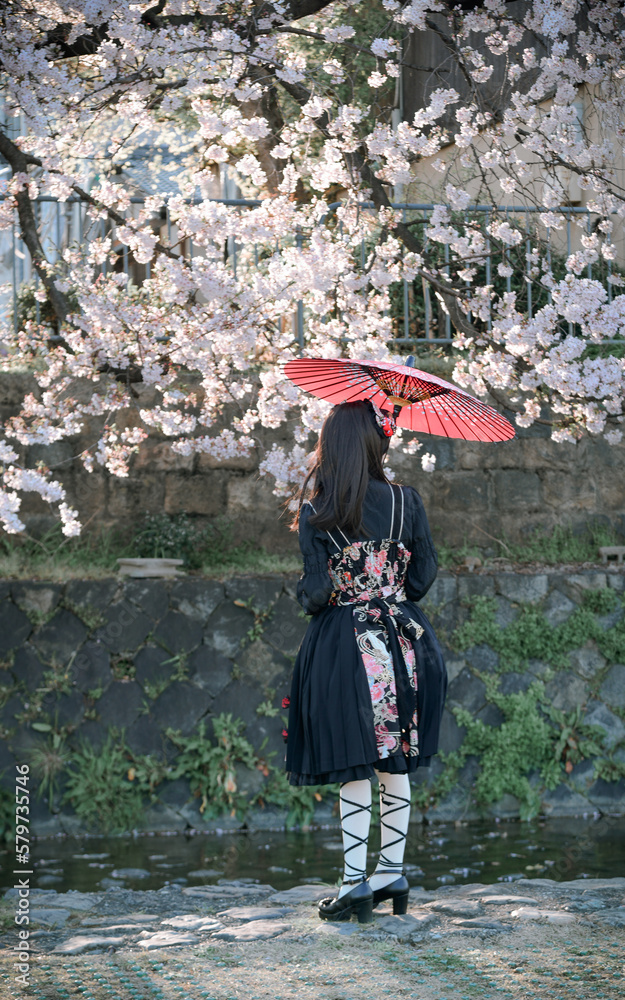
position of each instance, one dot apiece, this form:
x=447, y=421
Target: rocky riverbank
x=534, y=938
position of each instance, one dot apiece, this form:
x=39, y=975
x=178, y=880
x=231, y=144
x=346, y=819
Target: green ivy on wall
x=536, y=746
x=531, y=636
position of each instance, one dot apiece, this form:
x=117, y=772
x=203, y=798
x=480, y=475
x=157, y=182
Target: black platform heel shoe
x=358, y=900
x=397, y=891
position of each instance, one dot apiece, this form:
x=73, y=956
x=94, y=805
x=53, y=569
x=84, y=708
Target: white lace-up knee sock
x=394, y=817
x=355, y=820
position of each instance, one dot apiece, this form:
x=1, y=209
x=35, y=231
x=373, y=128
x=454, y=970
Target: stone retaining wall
x=147, y=655
x=477, y=493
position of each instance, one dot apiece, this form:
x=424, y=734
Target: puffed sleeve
x=314, y=586
x=423, y=565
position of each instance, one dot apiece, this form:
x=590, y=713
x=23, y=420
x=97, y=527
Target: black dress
x=369, y=681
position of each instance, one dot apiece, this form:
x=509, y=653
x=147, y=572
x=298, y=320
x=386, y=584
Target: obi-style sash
x=387, y=612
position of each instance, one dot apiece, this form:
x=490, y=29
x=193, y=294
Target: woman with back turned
x=369, y=681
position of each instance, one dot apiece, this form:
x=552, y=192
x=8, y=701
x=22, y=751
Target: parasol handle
x=409, y=363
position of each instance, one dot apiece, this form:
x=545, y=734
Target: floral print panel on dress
x=370, y=576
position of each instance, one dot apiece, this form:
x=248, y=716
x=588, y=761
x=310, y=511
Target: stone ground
x=528, y=940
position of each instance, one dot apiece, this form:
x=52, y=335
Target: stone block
x=262, y=665
x=159, y=457
x=241, y=699
x=467, y=490
x=482, y=657
x=447, y=618
x=565, y=801
x=443, y=590
x=478, y=585
x=507, y=806
x=616, y=580
x=561, y=488
x=145, y=736
x=490, y=715
x=40, y=598
x=574, y=585
x=247, y=494
x=261, y=593
x=91, y=593
x=91, y=667
x=611, y=619
x=451, y=736
x=505, y=612
x=403, y=927
x=60, y=638
x=125, y=627
x=453, y=663
x=241, y=463
x=517, y=488
x=582, y=776
x=27, y=668
x=195, y=494
x=285, y=628
x=92, y=732
x=64, y=709
x=209, y=670
x=522, y=588
x=608, y=796
x=175, y=794
x=15, y=627
x=587, y=661
x=467, y=691
x=177, y=633
x=302, y=894
x=250, y=782
x=598, y=714
x=480, y=923
x=197, y=599
x=248, y=913
x=539, y=669
x=120, y=704
x=612, y=691
x=457, y=907
x=89, y=491
x=257, y=930
x=515, y=683
x=180, y=706
x=152, y=596
x=153, y=665
x=566, y=691
x=558, y=608
x=227, y=627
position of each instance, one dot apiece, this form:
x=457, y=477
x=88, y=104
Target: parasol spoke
x=428, y=403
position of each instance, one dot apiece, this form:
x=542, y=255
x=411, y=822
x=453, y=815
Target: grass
x=561, y=545
x=54, y=557
x=214, y=555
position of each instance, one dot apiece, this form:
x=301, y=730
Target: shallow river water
x=436, y=855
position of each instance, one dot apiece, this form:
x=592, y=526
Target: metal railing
x=63, y=223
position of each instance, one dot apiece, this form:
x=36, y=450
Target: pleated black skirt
x=331, y=734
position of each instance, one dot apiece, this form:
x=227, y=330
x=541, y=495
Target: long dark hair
x=349, y=453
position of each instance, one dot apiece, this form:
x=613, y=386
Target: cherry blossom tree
x=295, y=98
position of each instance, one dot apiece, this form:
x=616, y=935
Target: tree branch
x=19, y=162
x=269, y=108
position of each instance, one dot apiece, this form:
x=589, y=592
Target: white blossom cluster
x=256, y=89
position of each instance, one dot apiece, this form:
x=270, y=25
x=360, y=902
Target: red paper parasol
x=421, y=402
